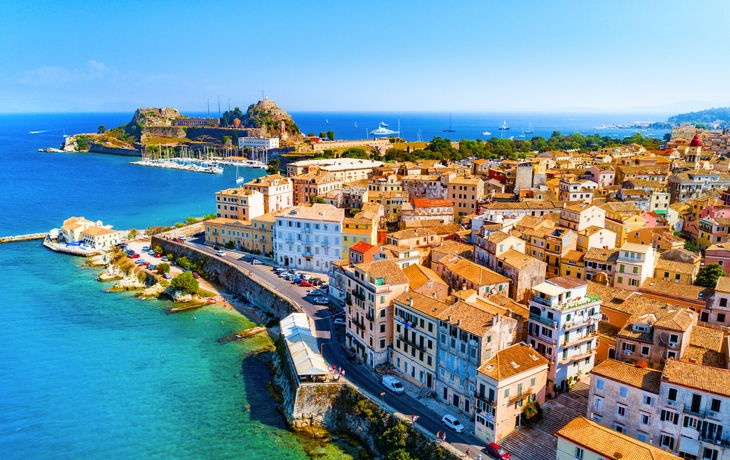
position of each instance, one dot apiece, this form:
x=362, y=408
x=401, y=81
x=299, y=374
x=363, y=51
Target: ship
x=382, y=130
x=504, y=127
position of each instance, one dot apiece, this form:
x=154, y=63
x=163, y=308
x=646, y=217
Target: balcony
x=580, y=340
x=325, y=244
x=593, y=319
x=520, y=396
x=546, y=340
x=369, y=317
x=715, y=441
x=358, y=295
x=697, y=413
x=545, y=321
x=404, y=338
x=358, y=324
x=485, y=398
x=570, y=359
x=568, y=304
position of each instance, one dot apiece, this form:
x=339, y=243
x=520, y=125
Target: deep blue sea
x=85, y=374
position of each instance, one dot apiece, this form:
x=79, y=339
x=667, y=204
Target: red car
x=144, y=264
x=157, y=255
x=495, y=451
x=196, y=275
x=305, y=283
x=134, y=256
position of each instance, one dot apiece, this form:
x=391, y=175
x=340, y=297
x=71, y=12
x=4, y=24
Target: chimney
x=529, y=346
x=458, y=322
x=410, y=302
x=448, y=319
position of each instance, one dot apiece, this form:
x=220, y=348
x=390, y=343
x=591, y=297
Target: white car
x=339, y=322
x=220, y=253
x=256, y=262
x=321, y=300
x=453, y=423
x=393, y=384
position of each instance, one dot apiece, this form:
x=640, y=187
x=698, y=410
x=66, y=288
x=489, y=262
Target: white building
x=309, y=238
x=345, y=169
x=101, y=237
x=634, y=265
x=563, y=327
x=256, y=143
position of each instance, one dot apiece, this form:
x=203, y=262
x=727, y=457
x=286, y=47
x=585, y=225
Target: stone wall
x=96, y=148
x=164, y=131
x=233, y=278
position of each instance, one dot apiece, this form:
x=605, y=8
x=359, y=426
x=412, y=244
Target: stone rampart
x=96, y=148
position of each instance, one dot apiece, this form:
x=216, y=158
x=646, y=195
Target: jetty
x=184, y=308
x=243, y=335
x=28, y=237
x=73, y=250
x=209, y=169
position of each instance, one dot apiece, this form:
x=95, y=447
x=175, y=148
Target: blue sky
x=370, y=56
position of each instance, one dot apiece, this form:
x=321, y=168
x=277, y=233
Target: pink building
x=651, y=218
x=716, y=211
x=603, y=175
x=718, y=254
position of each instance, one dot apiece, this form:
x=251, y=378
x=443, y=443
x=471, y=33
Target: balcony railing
x=369, y=317
x=579, y=340
x=358, y=324
x=520, y=396
x=698, y=413
x=485, y=398
x=592, y=319
x=570, y=303
x=542, y=338
x=545, y=321
x=359, y=295
x=404, y=338
x=570, y=359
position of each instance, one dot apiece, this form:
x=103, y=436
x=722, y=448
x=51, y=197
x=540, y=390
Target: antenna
x=229, y=104
x=262, y=94
x=219, y=106
x=208, y=108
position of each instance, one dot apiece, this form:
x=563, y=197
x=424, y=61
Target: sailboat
x=529, y=129
x=504, y=127
x=239, y=179
x=523, y=133
x=64, y=132
x=355, y=124
x=486, y=133
x=450, y=130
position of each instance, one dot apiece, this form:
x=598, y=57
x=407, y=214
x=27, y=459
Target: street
x=328, y=340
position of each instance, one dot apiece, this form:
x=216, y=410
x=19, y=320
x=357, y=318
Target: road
x=329, y=343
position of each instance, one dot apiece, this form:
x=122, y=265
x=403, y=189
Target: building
x=584, y=439
x=100, y=237
x=579, y=217
x=635, y=264
x=413, y=237
x=363, y=227
x=550, y=245
x=415, y=337
x=563, y=327
x=603, y=175
x=345, y=169
x=460, y=274
x=490, y=248
x=712, y=231
x=403, y=256
x=278, y=191
x=316, y=183
x=392, y=202
x=231, y=233
x=195, y=122
x=263, y=234
x=524, y=270
x=362, y=252
x=718, y=254
x=595, y=237
x=692, y=184
x=257, y=143
x=717, y=310
x=371, y=289
x=427, y=209
x=426, y=281
x=73, y=226
x=506, y=383
x=430, y=186
x=469, y=334
x=573, y=264
x=464, y=193
x=576, y=190
x=239, y=203
x=309, y=238
x=622, y=219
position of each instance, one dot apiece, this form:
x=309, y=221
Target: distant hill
x=715, y=115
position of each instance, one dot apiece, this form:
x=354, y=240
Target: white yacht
x=382, y=130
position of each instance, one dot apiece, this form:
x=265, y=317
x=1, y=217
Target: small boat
x=486, y=133
x=384, y=124
x=523, y=133
x=355, y=124
x=450, y=130
x=383, y=131
x=326, y=120
x=504, y=127
x=239, y=179
x=529, y=129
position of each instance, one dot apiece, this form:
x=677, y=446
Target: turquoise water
x=86, y=374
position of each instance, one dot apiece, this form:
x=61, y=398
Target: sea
x=87, y=374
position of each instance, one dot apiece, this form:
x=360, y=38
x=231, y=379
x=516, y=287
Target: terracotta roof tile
x=512, y=361
x=630, y=374
x=709, y=379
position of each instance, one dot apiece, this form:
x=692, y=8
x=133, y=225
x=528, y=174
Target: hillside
x=715, y=115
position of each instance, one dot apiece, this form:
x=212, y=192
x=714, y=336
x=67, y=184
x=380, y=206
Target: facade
x=595, y=237
x=563, y=327
x=634, y=265
x=258, y=143
x=718, y=254
x=493, y=246
x=239, y=203
x=361, y=228
x=603, y=175
x=524, y=270
x=415, y=338
x=576, y=190
x=460, y=274
x=345, y=169
x=231, y=233
x=309, y=238
x=622, y=219
x=717, y=310
x=372, y=288
x=691, y=184
x=73, y=226
x=506, y=383
x=100, y=237
x=278, y=191
x=432, y=187
x=308, y=185
x=464, y=193
x=579, y=217
x=426, y=209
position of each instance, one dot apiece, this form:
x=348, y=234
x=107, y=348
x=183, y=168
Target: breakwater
x=28, y=237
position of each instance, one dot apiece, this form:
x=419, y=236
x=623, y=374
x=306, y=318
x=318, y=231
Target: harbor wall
x=31, y=236
x=96, y=148
x=233, y=278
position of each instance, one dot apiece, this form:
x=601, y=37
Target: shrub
x=184, y=262
x=163, y=268
x=179, y=225
x=158, y=250
x=272, y=322
x=532, y=413
x=230, y=244
x=170, y=257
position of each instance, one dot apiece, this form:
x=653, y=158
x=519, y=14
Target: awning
x=689, y=446
x=662, y=211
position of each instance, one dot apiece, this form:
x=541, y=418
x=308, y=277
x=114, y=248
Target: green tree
x=708, y=276
x=355, y=152
x=667, y=137
x=209, y=216
x=690, y=246
x=170, y=256
x=331, y=135
x=398, y=454
x=184, y=262
x=190, y=220
x=132, y=234
x=396, y=437
x=158, y=250
x=318, y=199
x=185, y=282
x=310, y=135
x=354, y=212
x=322, y=134
x=81, y=144
x=179, y=225
x=273, y=166
x=164, y=267
x=101, y=129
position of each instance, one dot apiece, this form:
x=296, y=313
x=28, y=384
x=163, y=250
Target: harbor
x=28, y=237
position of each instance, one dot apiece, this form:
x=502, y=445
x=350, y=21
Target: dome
x=695, y=142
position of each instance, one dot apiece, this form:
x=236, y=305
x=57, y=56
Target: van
x=393, y=384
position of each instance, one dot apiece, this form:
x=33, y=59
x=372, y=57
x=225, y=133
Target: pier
x=73, y=250
x=28, y=237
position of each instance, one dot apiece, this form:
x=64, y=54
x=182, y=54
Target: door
x=612, y=353
x=428, y=380
x=309, y=264
x=517, y=421
x=696, y=399
x=455, y=400
x=466, y=405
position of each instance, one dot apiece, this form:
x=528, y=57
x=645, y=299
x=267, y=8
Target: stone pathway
x=539, y=442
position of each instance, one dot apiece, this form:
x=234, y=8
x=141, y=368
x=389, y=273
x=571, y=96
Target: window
x=641, y=437
x=599, y=384
x=648, y=400
x=715, y=405
x=645, y=350
x=667, y=441
x=619, y=428
x=669, y=416
x=645, y=419
x=623, y=392
x=672, y=396
x=578, y=452
x=709, y=454
x=597, y=402
x=621, y=410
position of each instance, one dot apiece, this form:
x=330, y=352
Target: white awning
x=689, y=446
x=302, y=346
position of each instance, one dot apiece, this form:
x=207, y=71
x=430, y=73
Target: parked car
x=134, y=256
x=305, y=283
x=139, y=261
x=393, y=384
x=157, y=256
x=256, y=262
x=339, y=322
x=297, y=280
x=167, y=276
x=145, y=248
x=216, y=247
x=151, y=252
x=152, y=267
x=350, y=355
x=220, y=253
x=321, y=300
x=495, y=451
x=164, y=258
x=144, y=264
x=195, y=274
x=453, y=423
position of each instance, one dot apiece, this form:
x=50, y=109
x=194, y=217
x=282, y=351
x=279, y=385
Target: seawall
x=232, y=278
x=96, y=148
x=31, y=236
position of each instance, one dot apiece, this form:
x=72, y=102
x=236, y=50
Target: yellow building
x=362, y=227
x=623, y=219
x=391, y=202
x=572, y=264
x=100, y=237
x=263, y=234
x=464, y=193
x=239, y=203
x=231, y=233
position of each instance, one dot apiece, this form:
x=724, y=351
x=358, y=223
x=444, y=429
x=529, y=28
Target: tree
x=185, y=282
x=209, y=216
x=101, y=129
x=190, y=220
x=81, y=144
x=310, y=135
x=667, y=137
x=132, y=234
x=708, y=276
x=184, y=262
x=690, y=246
x=331, y=135
x=318, y=199
x=158, y=250
x=164, y=267
x=273, y=166
x=354, y=212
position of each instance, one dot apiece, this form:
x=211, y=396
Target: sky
x=483, y=55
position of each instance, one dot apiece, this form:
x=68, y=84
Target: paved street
x=329, y=342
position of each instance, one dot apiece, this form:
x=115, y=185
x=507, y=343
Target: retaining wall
x=96, y=148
